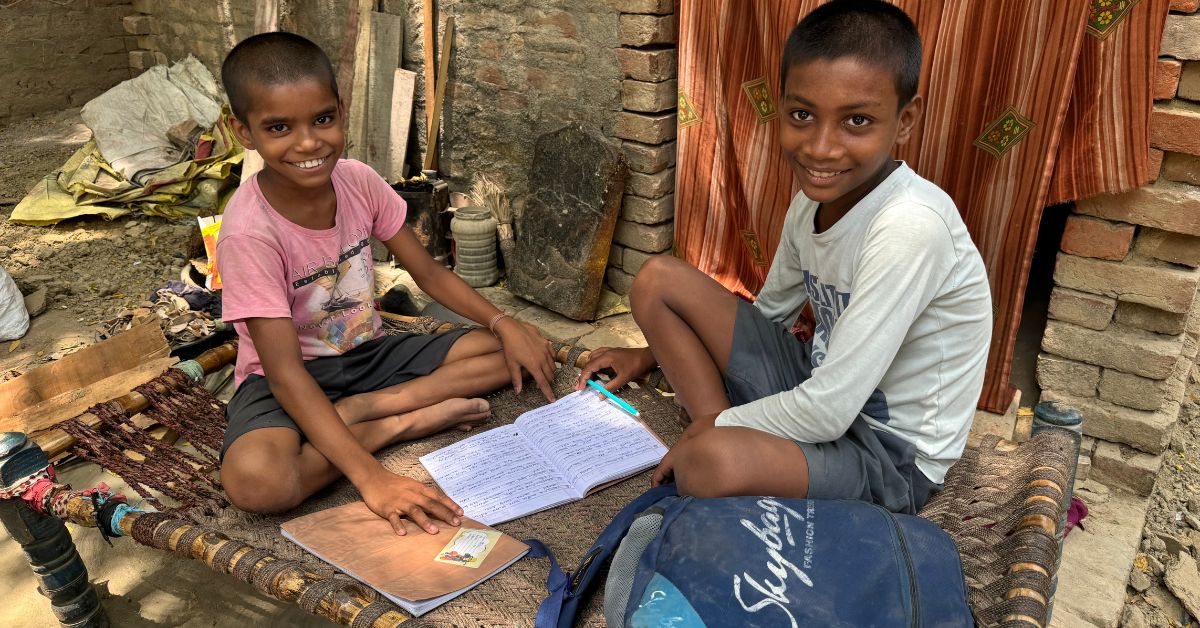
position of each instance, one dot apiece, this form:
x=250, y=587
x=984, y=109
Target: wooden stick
x=55, y=441
x=341, y=605
x=429, y=33
x=443, y=70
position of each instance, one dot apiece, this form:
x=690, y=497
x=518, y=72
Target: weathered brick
x=649, y=158
x=620, y=281
x=1166, y=79
x=1181, y=37
x=143, y=59
x=1165, y=205
x=1147, y=431
x=1124, y=467
x=644, y=128
x=1123, y=348
x=1189, y=81
x=1155, y=164
x=1175, y=125
x=615, y=255
x=1151, y=318
x=1096, y=237
x=1083, y=468
x=1185, y=6
x=147, y=42
x=647, y=238
x=1082, y=308
x=1166, y=288
x=1176, y=248
x=656, y=7
x=1131, y=391
x=651, y=185
x=648, y=65
x=140, y=24
x=646, y=210
x=144, y=6
x=634, y=261
x=1067, y=376
x=649, y=97
x=647, y=30
x=1181, y=167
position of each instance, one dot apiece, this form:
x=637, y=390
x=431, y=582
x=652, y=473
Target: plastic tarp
x=88, y=185
x=131, y=120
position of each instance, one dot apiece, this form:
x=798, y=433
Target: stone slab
x=1131, y=391
x=1096, y=562
x=1147, y=431
x=1137, y=281
x=1123, y=348
x=566, y=229
x=1089, y=310
x=1068, y=376
x=1151, y=318
x=1125, y=468
x=553, y=325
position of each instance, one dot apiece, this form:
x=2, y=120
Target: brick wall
x=58, y=55
x=646, y=127
x=1125, y=313
x=519, y=69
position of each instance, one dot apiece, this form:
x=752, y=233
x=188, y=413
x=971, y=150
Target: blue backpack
x=763, y=561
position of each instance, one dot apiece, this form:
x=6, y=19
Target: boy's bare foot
x=463, y=414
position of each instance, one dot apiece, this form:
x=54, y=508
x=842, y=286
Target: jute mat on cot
x=511, y=597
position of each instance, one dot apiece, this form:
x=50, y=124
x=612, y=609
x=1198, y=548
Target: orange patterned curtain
x=1027, y=103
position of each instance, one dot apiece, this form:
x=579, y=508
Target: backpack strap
x=566, y=589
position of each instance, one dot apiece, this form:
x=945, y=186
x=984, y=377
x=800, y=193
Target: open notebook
x=547, y=457
x=417, y=571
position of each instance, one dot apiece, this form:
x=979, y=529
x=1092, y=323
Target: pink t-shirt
x=323, y=280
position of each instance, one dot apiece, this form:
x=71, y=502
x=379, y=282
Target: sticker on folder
x=469, y=547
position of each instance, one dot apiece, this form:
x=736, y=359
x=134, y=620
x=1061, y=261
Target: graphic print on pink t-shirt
x=334, y=296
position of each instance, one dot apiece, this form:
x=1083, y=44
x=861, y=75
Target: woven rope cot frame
x=1004, y=505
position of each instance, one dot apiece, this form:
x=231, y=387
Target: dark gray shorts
x=371, y=366
x=865, y=463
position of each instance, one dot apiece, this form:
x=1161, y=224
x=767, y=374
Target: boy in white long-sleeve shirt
x=878, y=405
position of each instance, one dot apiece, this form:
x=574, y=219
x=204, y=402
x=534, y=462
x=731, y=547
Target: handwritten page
x=548, y=457
x=497, y=476
x=590, y=440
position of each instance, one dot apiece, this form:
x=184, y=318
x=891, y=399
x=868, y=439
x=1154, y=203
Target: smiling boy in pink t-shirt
x=319, y=387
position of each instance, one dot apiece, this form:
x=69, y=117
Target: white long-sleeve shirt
x=903, y=322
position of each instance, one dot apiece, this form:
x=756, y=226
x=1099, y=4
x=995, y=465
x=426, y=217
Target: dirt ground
x=1164, y=588
x=94, y=268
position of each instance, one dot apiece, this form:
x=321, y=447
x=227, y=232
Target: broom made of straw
x=491, y=195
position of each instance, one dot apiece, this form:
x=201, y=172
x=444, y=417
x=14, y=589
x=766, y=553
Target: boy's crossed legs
x=271, y=470
x=688, y=320
x=717, y=350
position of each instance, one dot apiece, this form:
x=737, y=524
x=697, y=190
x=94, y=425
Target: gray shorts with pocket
x=373, y=365
x=865, y=463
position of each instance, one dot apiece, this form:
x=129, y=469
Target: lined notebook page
x=590, y=440
x=497, y=476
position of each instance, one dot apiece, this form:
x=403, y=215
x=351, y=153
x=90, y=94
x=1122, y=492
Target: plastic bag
x=14, y=319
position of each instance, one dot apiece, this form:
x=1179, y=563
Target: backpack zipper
x=912, y=576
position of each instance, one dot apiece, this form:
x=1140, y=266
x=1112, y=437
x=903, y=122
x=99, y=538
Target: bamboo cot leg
x=62, y=576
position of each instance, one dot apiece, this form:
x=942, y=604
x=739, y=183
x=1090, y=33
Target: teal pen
x=620, y=402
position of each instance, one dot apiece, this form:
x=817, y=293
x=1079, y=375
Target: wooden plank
x=429, y=34
x=65, y=388
x=73, y=403
x=404, y=85
x=266, y=16
x=387, y=37
x=266, y=20
x=356, y=137
x=440, y=95
x=126, y=350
